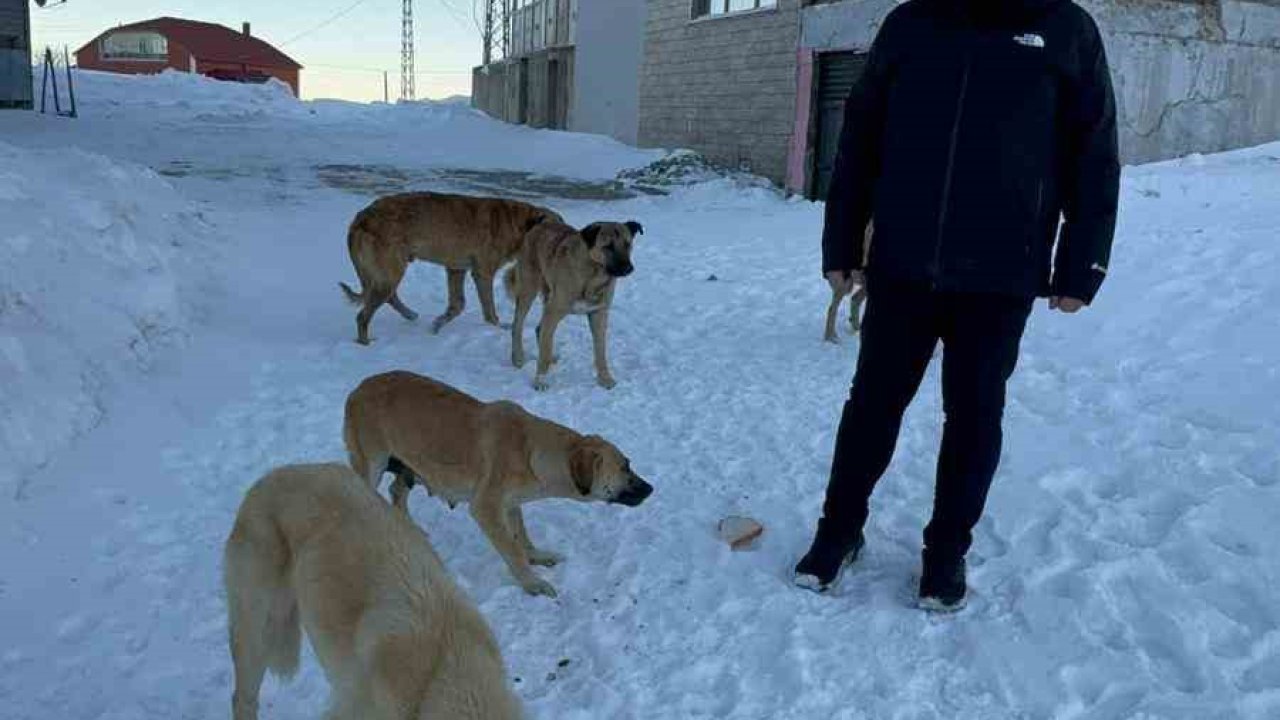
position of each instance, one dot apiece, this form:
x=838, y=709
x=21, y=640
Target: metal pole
x=53, y=75
x=71, y=86
x=386, y=89
x=44, y=83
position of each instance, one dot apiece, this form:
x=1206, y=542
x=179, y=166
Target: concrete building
x=761, y=84
x=15, y=54
x=570, y=64
x=190, y=46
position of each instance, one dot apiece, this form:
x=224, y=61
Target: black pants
x=980, y=334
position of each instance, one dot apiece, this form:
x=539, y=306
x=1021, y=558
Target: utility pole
x=406, y=52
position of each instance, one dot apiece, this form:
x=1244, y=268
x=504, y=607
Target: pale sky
x=343, y=59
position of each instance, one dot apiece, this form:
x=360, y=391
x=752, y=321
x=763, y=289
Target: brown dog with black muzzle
x=494, y=456
x=575, y=271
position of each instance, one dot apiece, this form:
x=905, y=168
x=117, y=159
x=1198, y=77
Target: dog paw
x=540, y=384
x=538, y=586
x=833, y=339
x=545, y=558
x=364, y=341
x=517, y=361
x=607, y=382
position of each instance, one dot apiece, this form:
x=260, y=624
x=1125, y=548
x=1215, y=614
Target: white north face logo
x=1030, y=40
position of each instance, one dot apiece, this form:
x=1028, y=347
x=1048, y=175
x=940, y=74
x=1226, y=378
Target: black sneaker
x=942, y=585
x=830, y=554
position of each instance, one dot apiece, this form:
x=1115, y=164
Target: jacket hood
x=999, y=12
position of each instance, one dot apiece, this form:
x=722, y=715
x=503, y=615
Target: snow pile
x=86, y=291
x=172, y=92
x=244, y=129
x=681, y=168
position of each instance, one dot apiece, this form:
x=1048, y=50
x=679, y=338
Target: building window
x=135, y=46
x=711, y=8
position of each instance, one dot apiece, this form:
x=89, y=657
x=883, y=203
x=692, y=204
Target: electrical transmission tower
x=406, y=52
x=486, y=32
x=496, y=31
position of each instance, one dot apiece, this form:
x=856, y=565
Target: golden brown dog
x=494, y=456
x=575, y=272
x=313, y=549
x=854, y=285
x=457, y=231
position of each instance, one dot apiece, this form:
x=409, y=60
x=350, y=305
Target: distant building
x=15, y=54
x=189, y=46
x=570, y=64
x=761, y=84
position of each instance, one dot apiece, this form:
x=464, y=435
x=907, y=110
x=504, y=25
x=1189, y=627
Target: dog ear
x=590, y=233
x=535, y=222
x=584, y=462
x=635, y=228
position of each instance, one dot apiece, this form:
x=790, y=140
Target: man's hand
x=845, y=278
x=1065, y=304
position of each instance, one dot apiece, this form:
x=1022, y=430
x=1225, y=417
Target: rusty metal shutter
x=837, y=72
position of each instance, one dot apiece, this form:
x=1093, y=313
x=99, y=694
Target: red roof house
x=189, y=46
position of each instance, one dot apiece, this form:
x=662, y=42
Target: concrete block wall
x=724, y=86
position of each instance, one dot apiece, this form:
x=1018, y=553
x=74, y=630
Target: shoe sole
x=811, y=583
x=934, y=605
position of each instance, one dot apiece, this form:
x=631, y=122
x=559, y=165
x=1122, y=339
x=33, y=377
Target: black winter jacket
x=975, y=127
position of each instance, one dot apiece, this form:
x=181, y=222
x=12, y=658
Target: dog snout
x=636, y=492
x=622, y=269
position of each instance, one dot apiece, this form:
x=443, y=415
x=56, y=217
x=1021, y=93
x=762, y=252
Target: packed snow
x=179, y=246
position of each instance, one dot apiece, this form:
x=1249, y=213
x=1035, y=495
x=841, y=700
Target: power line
x=327, y=22
x=353, y=68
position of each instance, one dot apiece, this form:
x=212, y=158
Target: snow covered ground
x=1126, y=567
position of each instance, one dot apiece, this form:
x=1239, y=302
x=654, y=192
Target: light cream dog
x=313, y=549
x=460, y=232
x=494, y=456
x=855, y=286
x=575, y=272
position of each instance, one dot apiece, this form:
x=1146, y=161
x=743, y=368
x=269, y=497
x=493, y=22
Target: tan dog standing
x=575, y=272
x=313, y=549
x=854, y=285
x=495, y=456
x=856, y=288
x=460, y=232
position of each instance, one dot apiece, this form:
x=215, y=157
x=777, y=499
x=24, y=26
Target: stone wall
x=724, y=86
x=1190, y=75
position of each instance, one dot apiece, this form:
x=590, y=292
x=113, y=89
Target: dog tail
x=262, y=608
x=511, y=279
x=353, y=297
x=358, y=240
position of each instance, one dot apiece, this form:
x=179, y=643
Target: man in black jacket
x=978, y=128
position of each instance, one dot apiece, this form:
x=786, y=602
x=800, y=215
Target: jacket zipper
x=946, y=178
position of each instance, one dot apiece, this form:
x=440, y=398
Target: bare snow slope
x=1125, y=569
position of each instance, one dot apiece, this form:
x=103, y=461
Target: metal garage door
x=837, y=72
